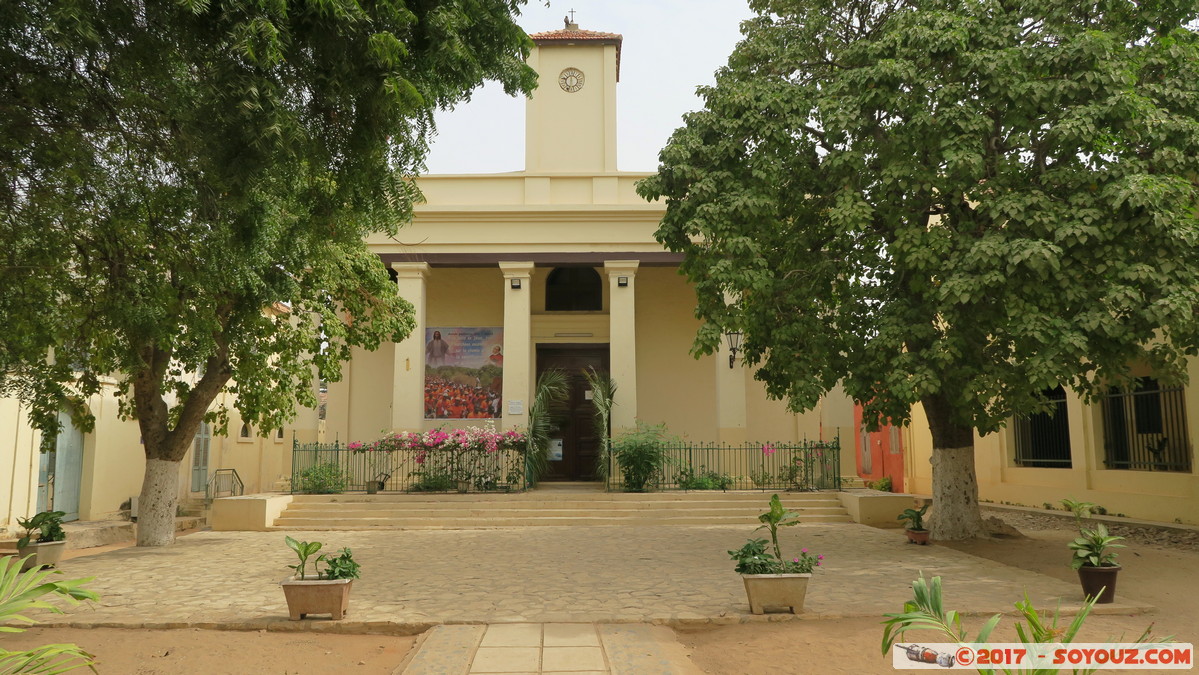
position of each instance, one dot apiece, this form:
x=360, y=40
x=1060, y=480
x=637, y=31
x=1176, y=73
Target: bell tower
x=570, y=121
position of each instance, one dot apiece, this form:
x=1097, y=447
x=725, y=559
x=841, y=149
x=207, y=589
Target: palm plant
x=20, y=592
x=553, y=387
x=603, y=394
x=926, y=611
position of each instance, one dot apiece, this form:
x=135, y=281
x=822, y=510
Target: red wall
x=883, y=454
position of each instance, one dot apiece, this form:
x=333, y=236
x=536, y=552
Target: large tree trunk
x=156, y=507
x=166, y=447
x=955, y=513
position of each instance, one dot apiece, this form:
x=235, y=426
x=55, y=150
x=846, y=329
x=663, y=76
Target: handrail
x=224, y=480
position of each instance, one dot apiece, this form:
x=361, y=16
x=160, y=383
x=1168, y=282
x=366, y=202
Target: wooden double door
x=580, y=443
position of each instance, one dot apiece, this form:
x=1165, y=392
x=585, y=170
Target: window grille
x=1043, y=439
x=1146, y=428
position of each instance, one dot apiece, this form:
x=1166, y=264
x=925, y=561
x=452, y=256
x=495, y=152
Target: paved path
x=550, y=649
x=412, y=580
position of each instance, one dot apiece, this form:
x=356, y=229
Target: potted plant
x=1096, y=564
x=774, y=581
x=915, y=525
x=322, y=592
x=44, y=540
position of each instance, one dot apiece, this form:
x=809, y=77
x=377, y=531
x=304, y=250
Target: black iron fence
x=802, y=465
x=330, y=468
x=1146, y=428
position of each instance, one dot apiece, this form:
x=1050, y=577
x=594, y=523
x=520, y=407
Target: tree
x=185, y=190
x=957, y=203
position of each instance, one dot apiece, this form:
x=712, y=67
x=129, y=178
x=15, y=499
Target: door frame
x=542, y=350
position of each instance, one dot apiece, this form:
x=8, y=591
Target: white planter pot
x=317, y=596
x=776, y=590
x=45, y=554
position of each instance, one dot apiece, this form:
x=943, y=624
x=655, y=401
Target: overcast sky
x=670, y=47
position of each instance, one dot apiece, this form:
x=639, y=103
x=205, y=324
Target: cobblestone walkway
x=414, y=579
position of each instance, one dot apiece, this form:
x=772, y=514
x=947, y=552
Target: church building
x=555, y=266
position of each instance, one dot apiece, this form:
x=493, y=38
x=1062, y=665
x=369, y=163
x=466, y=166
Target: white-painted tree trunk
x=156, y=507
x=955, y=512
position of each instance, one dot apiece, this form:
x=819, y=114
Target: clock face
x=571, y=80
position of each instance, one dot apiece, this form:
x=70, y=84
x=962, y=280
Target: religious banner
x=464, y=373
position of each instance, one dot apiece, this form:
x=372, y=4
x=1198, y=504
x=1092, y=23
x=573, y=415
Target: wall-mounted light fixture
x=734, y=341
x=515, y=284
x=622, y=281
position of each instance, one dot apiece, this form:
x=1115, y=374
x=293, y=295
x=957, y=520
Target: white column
x=518, y=348
x=731, y=411
x=408, y=384
x=622, y=345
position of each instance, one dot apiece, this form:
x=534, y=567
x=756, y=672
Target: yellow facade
x=1169, y=496
x=477, y=235
x=112, y=461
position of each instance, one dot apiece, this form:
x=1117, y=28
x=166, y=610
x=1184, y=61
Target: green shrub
x=702, y=479
x=432, y=480
x=640, y=455
x=883, y=484
x=323, y=479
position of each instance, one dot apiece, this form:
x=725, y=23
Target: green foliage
x=926, y=612
x=603, y=397
x=753, y=559
x=914, y=518
x=47, y=526
x=702, y=478
x=958, y=204
x=432, y=480
x=883, y=484
x=777, y=517
x=553, y=388
x=341, y=566
x=322, y=479
x=304, y=550
x=21, y=592
x=1091, y=548
x=186, y=205
x=1080, y=509
x=762, y=478
x=640, y=455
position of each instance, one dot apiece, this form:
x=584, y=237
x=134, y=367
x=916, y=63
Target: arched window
x=573, y=289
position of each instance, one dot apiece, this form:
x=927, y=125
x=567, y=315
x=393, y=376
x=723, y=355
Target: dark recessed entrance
x=580, y=444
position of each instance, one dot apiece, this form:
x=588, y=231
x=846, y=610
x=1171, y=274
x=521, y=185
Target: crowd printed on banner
x=969, y=656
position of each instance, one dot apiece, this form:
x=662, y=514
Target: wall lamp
x=515, y=284
x=734, y=341
x=622, y=281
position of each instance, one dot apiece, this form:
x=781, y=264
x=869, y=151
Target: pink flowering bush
x=477, y=455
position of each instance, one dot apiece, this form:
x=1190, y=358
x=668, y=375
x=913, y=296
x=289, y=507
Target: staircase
x=553, y=504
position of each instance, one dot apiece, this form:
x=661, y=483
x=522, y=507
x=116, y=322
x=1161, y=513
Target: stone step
x=476, y=523
x=527, y=505
x=755, y=498
x=356, y=514
x=561, y=507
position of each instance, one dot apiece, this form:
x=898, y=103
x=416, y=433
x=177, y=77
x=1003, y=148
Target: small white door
x=200, y=447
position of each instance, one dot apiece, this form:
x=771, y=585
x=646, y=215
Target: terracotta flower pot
x=1095, y=578
x=776, y=590
x=918, y=537
x=317, y=596
x=45, y=554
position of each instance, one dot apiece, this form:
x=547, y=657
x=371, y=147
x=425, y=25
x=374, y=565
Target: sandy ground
x=1163, y=576
x=1159, y=573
